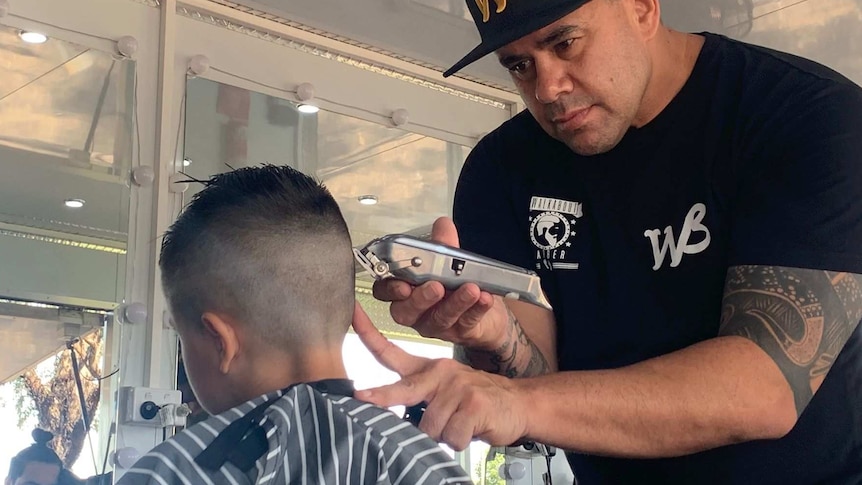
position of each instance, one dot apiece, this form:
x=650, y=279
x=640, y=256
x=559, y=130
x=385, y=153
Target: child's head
x=258, y=265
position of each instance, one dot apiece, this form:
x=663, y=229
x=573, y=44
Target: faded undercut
x=268, y=246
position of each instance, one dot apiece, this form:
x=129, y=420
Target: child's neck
x=268, y=373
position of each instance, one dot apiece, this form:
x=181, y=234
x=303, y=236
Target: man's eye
x=520, y=67
x=565, y=44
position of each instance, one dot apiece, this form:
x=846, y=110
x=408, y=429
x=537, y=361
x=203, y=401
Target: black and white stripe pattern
x=314, y=438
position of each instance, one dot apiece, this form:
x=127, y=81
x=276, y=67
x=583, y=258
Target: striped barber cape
x=309, y=433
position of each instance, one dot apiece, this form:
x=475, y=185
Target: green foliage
x=488, y=471
x=24, y=405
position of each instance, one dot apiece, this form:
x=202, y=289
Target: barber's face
x=36, y=473
x=583, y=77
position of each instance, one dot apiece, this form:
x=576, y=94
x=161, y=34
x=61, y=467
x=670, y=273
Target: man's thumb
x=444, y=232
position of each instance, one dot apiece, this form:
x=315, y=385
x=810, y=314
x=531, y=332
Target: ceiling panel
x=65, y=133
x=440, y=32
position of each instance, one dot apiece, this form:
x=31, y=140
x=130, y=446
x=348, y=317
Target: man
x=37, y=464
x=261, y=314
x=692, y=205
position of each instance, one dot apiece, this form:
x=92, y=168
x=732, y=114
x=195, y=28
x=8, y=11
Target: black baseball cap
x=503, y=21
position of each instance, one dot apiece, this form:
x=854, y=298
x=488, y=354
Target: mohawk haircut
x=268, y=246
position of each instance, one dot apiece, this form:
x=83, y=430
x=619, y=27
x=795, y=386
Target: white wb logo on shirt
x=677, y=247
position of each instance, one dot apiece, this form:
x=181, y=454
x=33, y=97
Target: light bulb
x=134, y=312
x=400, y=117
x=143, y=176
x=178, y=183
x=127, y=46
x=74, y=203
x=199, y=64
x=512, y=471
x=305, y=91
x=33, y=37
x=126, y=457
x=307, y=108
x=368, y=199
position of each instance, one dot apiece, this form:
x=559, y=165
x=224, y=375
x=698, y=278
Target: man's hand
x=468, y=316
x=462, y=403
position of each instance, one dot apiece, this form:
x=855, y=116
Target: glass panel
x=65, y=137
x=232, y=127
x=65, y=100
x=826, y=31
x=66, y=149
x=47, y=395
x=410, y=176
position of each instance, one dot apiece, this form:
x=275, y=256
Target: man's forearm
x=718, y=392
x=517, y=356
x=781, y=330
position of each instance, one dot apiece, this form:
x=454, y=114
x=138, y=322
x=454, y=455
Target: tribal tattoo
x=800, y=317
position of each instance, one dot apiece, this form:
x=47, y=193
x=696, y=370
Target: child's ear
x=221, y=330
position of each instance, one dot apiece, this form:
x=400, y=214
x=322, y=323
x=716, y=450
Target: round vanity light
x=33, y=37
x=367, y=199
x=74, y=203
x=307, y=108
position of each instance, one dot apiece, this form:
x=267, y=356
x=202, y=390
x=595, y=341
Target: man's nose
x=552, y=80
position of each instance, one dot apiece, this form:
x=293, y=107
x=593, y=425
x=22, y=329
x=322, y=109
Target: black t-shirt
x=758, y=160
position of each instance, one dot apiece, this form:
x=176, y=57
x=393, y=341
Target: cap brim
x=514, y=32
x=474, y=55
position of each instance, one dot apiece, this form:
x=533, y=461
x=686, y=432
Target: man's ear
x=222, y=329
x=648, y=17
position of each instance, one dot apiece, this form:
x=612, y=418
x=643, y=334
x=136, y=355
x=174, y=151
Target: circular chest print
x=550, y=230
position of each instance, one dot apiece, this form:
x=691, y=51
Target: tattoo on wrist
x=518, y=356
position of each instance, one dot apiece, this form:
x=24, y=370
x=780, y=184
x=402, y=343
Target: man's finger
x=427, y=295
x=471, y=317
x=443, y=231
x=438, y=413
x=459, y=431
x=450, y=310
x=403, y=392
x=391, y=289
x=391, y=356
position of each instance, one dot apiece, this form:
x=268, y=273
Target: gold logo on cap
x=485, y=8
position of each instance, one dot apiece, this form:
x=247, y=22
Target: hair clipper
x=417, y=261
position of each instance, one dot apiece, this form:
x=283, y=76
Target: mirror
x=67, y=144
x=385, y=179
